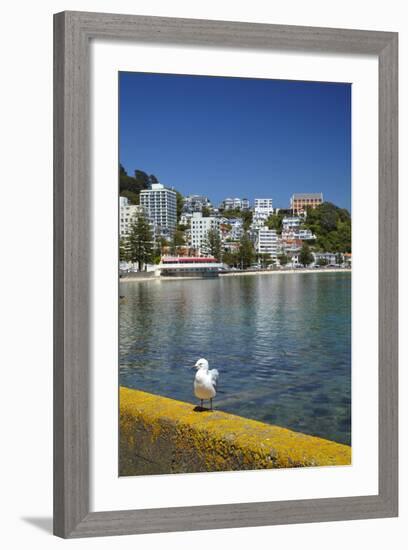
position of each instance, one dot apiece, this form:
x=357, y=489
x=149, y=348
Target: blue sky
x=238, y=137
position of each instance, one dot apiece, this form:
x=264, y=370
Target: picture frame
x=73, y=32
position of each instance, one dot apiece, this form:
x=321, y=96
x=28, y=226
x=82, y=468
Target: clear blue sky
x=238, y=137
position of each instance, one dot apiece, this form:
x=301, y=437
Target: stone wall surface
x=161, y=436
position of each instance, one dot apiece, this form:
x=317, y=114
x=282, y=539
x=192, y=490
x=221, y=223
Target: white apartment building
x=160, y=204
x=195, y=203
x=257, y=222
x=263, y=206
x=199, y=229
x=185, y=218
x=245, y=204
x=235, y=203
x=123, y=201
x=237, y=228
x=291, y=229
x=127, y=214
x=267, y=242
x=306, y=235
x=329, y=257
x=290, y=223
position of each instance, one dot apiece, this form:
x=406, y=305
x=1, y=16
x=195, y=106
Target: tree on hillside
x=275, y=222
x=305, y=256
x=131, y=196
x=246, y=216
x=142, y=179
x=246, y=252
x=179, y=204
x=130, y=186
x=212, y=244
x=328, y=217
x=332, y=227
x=140, y=242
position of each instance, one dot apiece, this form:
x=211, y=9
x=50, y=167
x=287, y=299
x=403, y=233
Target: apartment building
x=299, y=202
x=267, y=242
x=195, y=203
x=263, y=208
x=235, y=204
x=199, y=229
x=290, y=223
x=160, y=204
x=127, y=215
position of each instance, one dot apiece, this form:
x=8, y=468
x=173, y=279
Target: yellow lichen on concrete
x=161, y=435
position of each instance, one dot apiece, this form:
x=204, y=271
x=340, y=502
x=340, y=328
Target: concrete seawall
x=161, y=436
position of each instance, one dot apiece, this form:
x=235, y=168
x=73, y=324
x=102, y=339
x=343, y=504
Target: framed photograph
x=225, y=285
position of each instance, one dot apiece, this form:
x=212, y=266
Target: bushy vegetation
x=130, y=186
x=275, y=222
x=332, y=227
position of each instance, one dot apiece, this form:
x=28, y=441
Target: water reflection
x=282, y=344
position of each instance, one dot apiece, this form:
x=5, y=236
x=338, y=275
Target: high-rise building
x=200, y=226
x=161, y=205
x=299, y=202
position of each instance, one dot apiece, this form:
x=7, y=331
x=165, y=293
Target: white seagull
x=205, y=381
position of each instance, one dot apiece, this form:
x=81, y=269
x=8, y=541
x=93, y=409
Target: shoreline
x=236, y=274
x=284, y=271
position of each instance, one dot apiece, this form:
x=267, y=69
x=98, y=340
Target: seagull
x=205, y=381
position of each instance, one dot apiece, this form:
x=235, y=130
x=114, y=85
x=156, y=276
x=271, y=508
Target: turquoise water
x=282, y=345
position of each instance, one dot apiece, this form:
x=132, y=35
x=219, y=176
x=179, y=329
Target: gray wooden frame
x=72, y=34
